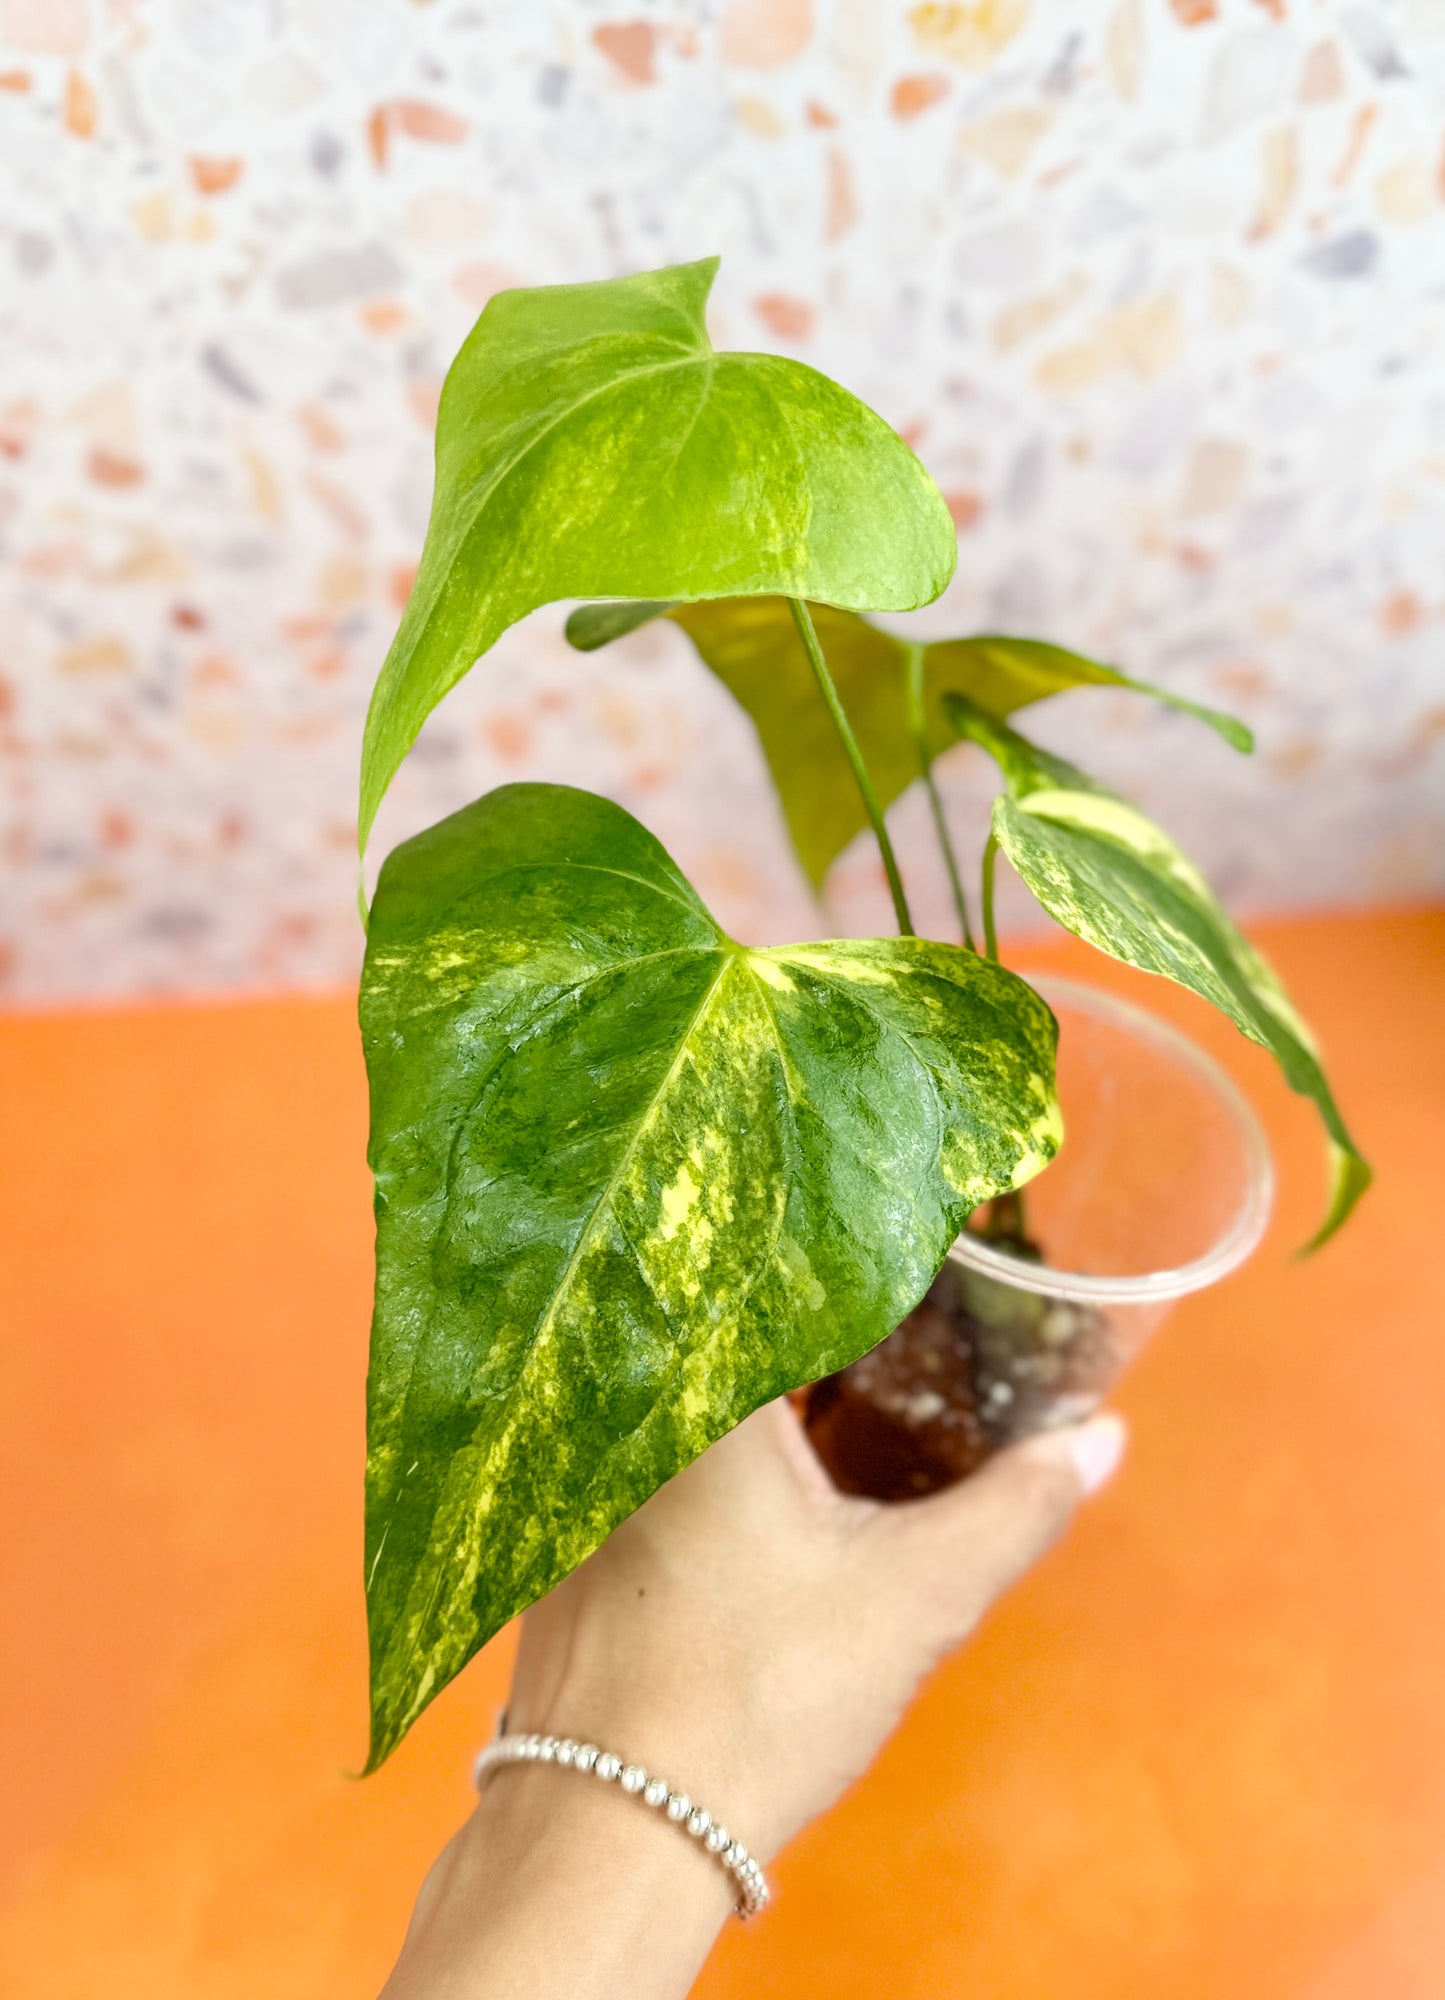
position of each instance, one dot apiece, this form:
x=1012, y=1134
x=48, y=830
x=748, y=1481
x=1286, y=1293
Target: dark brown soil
x=975, y=1365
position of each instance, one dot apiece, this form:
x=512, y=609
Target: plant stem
x=918, y=724
x=990, y=935
x=1007, y=1216
x=803, y=620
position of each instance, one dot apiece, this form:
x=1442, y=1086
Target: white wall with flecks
x=1155, y=287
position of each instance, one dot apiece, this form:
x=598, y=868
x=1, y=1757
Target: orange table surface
x=1200, y=1752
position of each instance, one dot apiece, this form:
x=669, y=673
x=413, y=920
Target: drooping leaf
x=753, y=647
x=590, y=442
x=1108, y=874
x=632, y=1180
x=1001, y=673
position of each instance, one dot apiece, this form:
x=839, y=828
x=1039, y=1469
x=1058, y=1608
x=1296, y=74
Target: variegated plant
x=634, y=1178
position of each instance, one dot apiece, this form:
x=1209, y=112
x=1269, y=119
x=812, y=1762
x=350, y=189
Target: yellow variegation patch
x=1116, y=820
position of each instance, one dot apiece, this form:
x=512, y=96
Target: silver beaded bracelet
x=685, y=1814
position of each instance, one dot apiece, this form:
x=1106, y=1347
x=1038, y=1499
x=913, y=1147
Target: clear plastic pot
x=1163, y=1186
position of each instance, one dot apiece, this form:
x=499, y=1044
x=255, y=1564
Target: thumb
x=966, y=1545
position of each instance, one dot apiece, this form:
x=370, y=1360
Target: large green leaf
x=632, y=1180
x=590, y=442
x=1108, y=874
x=752, y=645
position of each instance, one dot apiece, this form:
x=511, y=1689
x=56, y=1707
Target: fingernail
x=1096, y=1448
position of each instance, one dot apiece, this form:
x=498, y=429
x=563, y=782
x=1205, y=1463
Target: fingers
x=965, y=1546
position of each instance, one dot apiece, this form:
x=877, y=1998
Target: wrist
x=704, y=1757
x=534, y=1821
x=685, y=1726
x=552, y=1866
x=646, y=1788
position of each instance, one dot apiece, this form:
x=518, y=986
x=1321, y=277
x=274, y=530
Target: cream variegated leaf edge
x=633, y=1179
x=1113, y=877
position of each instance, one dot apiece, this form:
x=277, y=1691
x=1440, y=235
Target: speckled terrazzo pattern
x=1157, y=290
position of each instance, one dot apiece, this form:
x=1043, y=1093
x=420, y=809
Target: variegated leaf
x=752, y=645
x=632, y=1180
x=1108, y=874
x=591, y=442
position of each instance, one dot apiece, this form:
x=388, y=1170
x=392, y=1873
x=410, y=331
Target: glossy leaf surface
x=632, y=1180
x=753, y=648
x=1111, y=876
x=590, y=442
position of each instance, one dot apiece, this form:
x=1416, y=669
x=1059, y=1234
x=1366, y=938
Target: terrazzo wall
x=1156, y=289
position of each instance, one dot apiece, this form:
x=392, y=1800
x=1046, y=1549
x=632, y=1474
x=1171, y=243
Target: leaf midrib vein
x=627, y=1156
x=760, y=1264
x=557, y=1001
x=584, y=1236
x=579, y=1248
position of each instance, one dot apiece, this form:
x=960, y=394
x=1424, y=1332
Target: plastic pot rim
x=1230, y=1248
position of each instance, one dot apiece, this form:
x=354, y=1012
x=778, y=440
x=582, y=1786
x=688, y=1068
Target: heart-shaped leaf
x=752, y=646
x=590, y=442
x=1110, y=875
x=632, y=1180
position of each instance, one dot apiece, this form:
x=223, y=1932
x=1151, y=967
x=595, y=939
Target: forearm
x=560, y=1885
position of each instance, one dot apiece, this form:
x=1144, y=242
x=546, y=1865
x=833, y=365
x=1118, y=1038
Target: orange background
x=1200, y=1753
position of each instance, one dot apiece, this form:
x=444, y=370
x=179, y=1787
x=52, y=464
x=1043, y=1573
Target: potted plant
x=634, y=1178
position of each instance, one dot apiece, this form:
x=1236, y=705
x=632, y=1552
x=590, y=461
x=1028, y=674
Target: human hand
x=751, y=1634
x=756, y=1635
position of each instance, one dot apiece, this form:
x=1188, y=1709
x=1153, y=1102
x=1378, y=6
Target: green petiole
x=802, y=618
x=990, y=935
x=918, y=724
